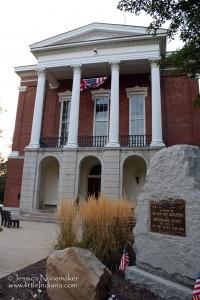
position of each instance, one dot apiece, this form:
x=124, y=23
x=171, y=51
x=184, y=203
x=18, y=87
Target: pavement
x=20, y=247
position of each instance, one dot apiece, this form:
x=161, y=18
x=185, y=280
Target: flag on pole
x=92, y=83
x=196, y=290
x=124, y=260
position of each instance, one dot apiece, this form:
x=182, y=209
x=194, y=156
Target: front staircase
x=39, y=216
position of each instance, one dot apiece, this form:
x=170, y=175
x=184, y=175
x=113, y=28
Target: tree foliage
x=3, y=171
x=184, y=19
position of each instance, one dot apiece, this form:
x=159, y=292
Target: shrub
x=103, y=226
x=66, y=235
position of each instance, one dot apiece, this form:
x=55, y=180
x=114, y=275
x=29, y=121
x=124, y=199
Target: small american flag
x=196, y=290
x=124, y=260
x=92, y=83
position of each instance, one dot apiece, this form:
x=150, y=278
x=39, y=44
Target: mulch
x=122, y=289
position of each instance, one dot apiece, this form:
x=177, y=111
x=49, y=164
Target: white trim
x=62, y=60
x=103, y=27
x=15, y=155
x=136, y=90
x=22, y=88
x=96, y=94
x=60, y=121
x=100, y=93
x=136, y=39
x=27, y=68
x=29, y=80
x=65, y=96
x=53, y=83
x=132, y=92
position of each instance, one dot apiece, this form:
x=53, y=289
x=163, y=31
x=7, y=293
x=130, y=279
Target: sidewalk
x=28, y=244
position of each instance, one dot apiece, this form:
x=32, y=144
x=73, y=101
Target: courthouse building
x=92, y=113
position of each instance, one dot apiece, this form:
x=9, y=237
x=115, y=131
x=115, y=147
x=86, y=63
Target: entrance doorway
x=48, y=183
x=134, y=175
x=90, y=177
x=94, y=181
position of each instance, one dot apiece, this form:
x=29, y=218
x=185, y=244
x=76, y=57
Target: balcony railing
x=52, y=142
x=97, y=141
x=92, y=141
x=135, y=140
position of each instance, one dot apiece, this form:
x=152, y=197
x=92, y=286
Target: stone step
x=38, y=216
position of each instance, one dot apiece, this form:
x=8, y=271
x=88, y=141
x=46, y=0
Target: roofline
x=89, y=25
x=23, y=69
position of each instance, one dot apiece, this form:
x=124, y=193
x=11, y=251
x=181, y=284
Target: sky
x=23, y=23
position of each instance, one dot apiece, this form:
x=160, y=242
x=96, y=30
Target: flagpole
x=124, y=16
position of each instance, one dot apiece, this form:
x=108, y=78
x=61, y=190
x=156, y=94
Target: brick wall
x=181, y=123
x=24, y=117
x=51, y=114
x=13, y=182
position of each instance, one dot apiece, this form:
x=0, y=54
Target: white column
x=38, y=110
x=113, y=140
x=74, y=113
x=157, y=139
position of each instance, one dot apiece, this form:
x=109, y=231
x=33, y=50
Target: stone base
x=159, y=286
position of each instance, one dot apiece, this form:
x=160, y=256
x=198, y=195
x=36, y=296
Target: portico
x=113, y=136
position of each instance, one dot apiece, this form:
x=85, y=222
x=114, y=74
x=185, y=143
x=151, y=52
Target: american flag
x=124, y=260
x=196, y=290
x=92, y=83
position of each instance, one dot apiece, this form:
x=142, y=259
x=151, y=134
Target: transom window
x=137, y=115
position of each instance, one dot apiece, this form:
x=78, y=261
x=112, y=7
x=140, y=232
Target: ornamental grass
x=101, y=225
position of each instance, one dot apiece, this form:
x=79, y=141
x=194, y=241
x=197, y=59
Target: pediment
x=95, y=35
x=92, y=32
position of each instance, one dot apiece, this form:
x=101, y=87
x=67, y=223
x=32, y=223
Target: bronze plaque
x=168, y=217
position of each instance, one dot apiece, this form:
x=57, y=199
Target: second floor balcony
x=137, y=141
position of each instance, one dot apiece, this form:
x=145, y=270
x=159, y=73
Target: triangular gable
x=92, y=32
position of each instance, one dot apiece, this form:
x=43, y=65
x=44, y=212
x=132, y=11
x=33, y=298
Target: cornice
x=27, y=73
x=108, y=45
x=136, y=90
x=29, y=70
x=100, y=93
x=65, y=96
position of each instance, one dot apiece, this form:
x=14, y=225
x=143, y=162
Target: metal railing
x=135, y=140
x=92, y=141
x=52, y=142
x=97, y=141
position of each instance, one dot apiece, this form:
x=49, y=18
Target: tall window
x=101, y=112
x=136, y=97
x=65, y=120
x=65, y=99
x=101, y=117
x=137, y=115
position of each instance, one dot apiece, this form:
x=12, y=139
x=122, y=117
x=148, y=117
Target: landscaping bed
x=8, y=289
